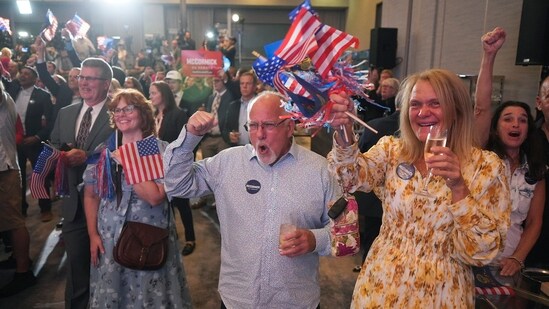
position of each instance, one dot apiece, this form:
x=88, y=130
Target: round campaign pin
x=253, y=186
x=405, y=171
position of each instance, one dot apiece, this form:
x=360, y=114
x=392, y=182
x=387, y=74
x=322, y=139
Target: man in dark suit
x=237, y=114
x=187, y=43
x=215, y=141
x=35, y=108
x=218, y=104
x=94, y=81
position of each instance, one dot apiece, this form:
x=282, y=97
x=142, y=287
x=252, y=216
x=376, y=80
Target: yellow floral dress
x=422, y=256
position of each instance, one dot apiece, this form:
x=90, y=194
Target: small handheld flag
x=51, y=26
x=44, y=165
x=77, y=26
x=141, y=160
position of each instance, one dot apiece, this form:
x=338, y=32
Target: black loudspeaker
x=533, y=43
x=383, y=46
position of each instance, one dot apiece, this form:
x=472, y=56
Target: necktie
x=84, y=129
x=215, y=106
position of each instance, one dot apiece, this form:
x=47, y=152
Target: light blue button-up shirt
x=253, y=199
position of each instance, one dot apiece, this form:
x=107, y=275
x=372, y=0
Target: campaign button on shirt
x=405, y=171
x=253, y=186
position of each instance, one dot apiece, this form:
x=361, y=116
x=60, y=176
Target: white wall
x=153, y=23
x=446, y=34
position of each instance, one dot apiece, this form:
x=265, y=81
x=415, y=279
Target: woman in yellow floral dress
x=423, y=255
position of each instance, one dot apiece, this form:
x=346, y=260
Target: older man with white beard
x=258, y=187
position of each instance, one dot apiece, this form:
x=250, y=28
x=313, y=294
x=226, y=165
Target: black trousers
x=184, y=207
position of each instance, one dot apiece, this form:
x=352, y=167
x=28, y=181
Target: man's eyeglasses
x=89, y=78
x=128, y=109
x=268, y=126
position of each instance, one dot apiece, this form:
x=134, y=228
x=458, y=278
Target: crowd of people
x=486, y=184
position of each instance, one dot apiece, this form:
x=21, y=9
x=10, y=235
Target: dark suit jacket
x=39, y=111
x=171, y=125
x=64, y=132
x=226, y=100
x=62, y=92
x=233, y=113
x=189, y=44
x=385, y=126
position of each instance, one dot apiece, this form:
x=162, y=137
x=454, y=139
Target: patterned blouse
x=521, y=197
x=423, y=254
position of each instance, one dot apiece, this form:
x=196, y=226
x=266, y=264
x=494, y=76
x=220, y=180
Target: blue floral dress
x=114, y=286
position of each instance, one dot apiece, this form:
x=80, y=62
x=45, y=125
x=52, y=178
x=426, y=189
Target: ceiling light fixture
x=24, y=7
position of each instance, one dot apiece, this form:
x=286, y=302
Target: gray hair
x=106, y=70
x=283, y=100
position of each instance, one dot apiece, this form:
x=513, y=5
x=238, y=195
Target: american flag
x=5, y=25
x=49, y=32
x=44, y=165
x=77, y=26
x=331, y=44
x=141, y=160
x=300, y=39
x=305, y=4
x=291, y=85
x=267, y=69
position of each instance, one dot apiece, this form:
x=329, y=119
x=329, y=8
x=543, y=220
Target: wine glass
x=437, y=136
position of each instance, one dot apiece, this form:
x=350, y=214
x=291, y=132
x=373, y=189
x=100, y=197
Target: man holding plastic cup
x=257, y=188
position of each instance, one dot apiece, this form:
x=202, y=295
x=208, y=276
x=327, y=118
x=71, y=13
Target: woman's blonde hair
x=6, y=52
x=135, y=98
x=457, y=109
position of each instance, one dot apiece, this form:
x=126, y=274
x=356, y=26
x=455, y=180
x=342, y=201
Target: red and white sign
x=201, y=63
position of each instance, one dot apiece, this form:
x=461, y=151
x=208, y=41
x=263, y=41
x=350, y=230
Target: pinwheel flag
x=266, y=69
x=300, y=39
x=306, y=5
x=331, y=44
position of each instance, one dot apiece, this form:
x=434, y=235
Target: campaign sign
x=201, y=63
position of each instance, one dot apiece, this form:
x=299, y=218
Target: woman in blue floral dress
x=112, y=285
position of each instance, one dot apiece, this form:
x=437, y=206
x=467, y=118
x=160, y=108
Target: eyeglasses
x=267, y=126
x=128, y=109
x=89, y=78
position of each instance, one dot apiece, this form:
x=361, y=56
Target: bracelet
x=521, y=263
